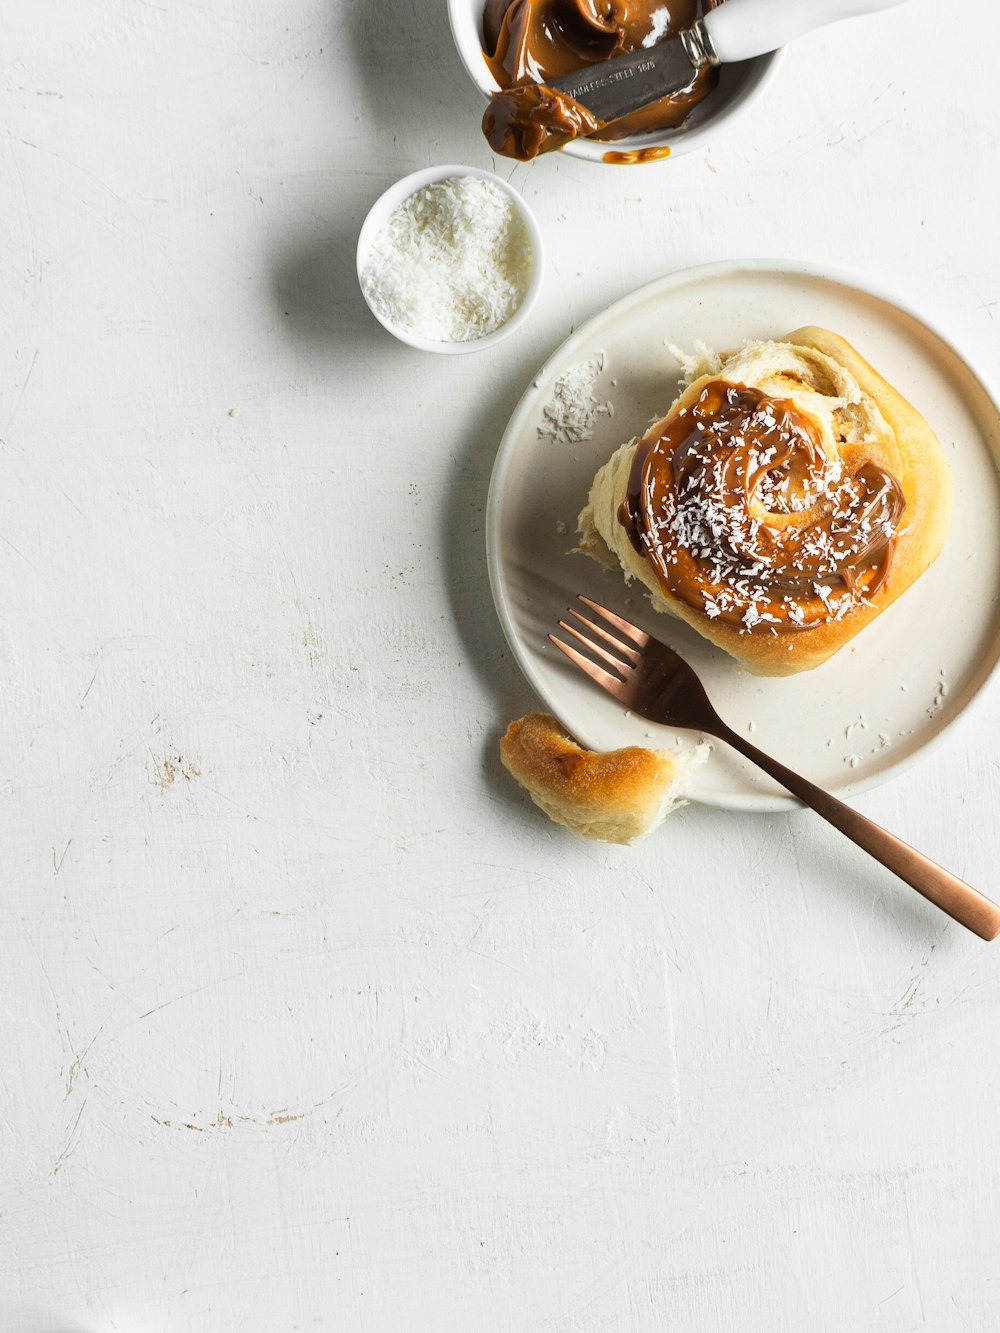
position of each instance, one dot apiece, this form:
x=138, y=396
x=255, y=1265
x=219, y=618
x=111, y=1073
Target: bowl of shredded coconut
x=450, y=259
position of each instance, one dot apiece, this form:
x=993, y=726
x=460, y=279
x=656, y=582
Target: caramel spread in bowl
x=529, y=42
x=743, y=516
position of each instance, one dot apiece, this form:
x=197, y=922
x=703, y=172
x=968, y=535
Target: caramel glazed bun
x=786, y=499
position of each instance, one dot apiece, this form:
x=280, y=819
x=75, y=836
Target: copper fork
x=650, y=679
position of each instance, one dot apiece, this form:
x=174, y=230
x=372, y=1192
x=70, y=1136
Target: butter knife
x=735, y=30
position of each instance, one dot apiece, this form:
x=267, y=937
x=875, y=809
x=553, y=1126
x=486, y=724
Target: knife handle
x=741, y=29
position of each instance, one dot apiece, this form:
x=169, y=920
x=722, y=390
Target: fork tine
x=621, y=667
x=639, y=637
x=604, y=678
x=632, y=654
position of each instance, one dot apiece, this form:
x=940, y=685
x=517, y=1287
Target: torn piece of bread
x=617, y=796
x=787, y=498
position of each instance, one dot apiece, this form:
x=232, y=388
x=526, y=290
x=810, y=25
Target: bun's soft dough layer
x=860, y=428
x=614, y=797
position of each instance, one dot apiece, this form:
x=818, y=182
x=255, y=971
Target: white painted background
x=308, y=1020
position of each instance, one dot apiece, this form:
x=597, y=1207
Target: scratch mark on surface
x=913, y=1256
x=13, y=411
x=57, y=862
x=165, y=771
x=103, y=975
x=490, y=959
x=312, y=642
x=176, y=1000
x=266, y=516
x=232, y=1120
x=75, y=166
x=11, y=547
x=72, y=1073
x=424, y=1065
x=90, y=686
x=481, y=923
x=524, y=870
x=71, y=1142
x=890, y=1296
x=901, y=1010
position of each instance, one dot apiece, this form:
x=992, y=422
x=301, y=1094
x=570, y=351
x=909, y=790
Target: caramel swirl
x=743, y=516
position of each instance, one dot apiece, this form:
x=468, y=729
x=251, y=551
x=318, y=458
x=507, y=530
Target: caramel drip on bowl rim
x=743, y=516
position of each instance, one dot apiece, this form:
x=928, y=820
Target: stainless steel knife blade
x=616, y=87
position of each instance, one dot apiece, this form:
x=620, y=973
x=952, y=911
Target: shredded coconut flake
x=940, y=694
x=452, y=264
x=573, y=412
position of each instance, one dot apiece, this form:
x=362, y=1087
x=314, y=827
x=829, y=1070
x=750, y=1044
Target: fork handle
x=963, y=903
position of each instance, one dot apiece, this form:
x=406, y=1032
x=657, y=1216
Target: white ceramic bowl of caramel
x=739, y=86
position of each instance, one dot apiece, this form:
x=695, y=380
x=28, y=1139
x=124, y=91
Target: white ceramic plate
x=893, y=690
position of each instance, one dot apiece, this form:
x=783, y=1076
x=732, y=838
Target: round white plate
x=892, y=690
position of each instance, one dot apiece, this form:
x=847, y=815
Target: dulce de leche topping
x=530, y=119
x=742, y=515
x=530, y=42
x=636, y=155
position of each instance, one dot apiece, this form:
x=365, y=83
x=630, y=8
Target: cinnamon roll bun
x=786, y=499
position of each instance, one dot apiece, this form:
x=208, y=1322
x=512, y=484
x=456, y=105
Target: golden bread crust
x=617, y=796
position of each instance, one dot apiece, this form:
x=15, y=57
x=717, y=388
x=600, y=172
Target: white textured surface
x=308, y=1021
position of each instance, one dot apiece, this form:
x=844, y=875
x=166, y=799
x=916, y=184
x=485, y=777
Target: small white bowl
x=739, y=88
x=384, y=207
